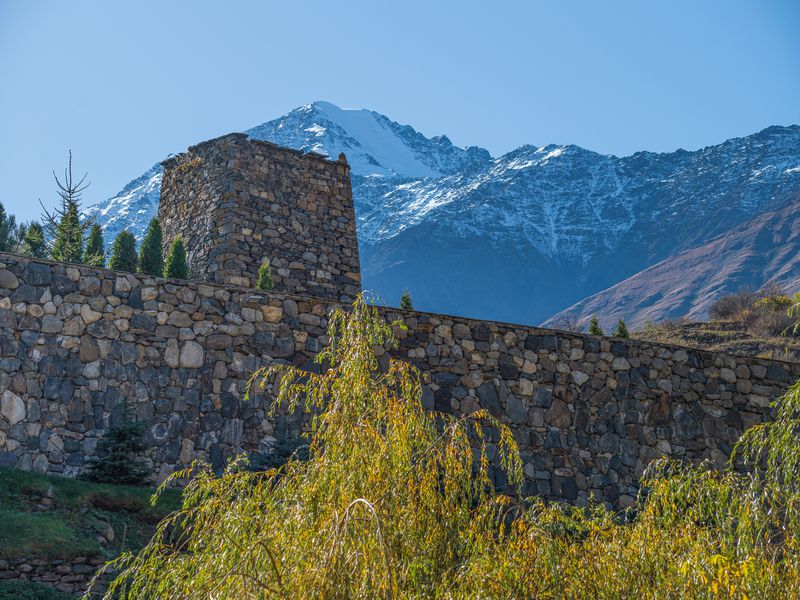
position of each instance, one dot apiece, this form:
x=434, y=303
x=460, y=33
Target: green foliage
x=151, y=257
x=176, y=267
x=594, y=326
x=117, y=457
x=621, y=330
x=33, y=243
x=394, y=502
x=68, y=530
x=7, y=231
x=405, y=301
x=68, y=242
x=30, y=590
x=264, y=277
x=123, y=255
x=95, y=254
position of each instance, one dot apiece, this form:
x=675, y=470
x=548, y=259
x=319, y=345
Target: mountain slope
x=761, y=252
x=525, y=235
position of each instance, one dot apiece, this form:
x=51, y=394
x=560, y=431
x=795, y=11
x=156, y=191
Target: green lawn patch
x=80, y=511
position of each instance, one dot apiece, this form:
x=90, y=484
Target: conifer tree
x=32, y=241
x=151, y=257
x=621, y=330
x=63, y=226
x=405, y=301
x=175, y=266
x=117, y=457
x=264, y=276
x=594, y=326
x=123, y=256
x=95, y=253
x=7, y=231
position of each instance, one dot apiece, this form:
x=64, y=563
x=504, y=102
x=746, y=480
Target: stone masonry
x=589, y=413
x=239, y=202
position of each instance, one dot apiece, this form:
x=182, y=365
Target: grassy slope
x=722, y=336
x=80, y=510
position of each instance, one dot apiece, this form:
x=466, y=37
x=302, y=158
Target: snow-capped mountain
x=525, y=235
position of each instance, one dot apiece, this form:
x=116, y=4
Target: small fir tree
x=95, y=253
x=123, y=256
x=621, y=330
x=264, y=277
x=117, y=455
x=151, y=256
x=594, y=326
x=33, y=243
x=176, y=267
x=405, y=301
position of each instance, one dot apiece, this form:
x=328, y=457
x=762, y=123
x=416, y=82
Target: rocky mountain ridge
x=522, y=236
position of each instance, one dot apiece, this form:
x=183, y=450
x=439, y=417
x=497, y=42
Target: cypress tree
x=68, y=242
x=33, y=243
x=151, y=257
x=405, y=301
x=264, y=277
x=594, y=326
x=621, y=330
x=123, y=256
x=95, y=253
x=176, y=267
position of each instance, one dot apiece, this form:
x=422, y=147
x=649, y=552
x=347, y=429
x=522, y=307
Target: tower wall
x=239, y=202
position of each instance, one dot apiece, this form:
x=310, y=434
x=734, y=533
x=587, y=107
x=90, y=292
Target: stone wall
x=238, y=202
x=77, y=343
x=71, y=576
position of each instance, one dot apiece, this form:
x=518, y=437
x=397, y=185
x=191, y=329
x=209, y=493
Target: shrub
x=731, y=305
x=123, y=256
x=151, y=258
x=95, y=254
x=264, y=281
x=175, y=266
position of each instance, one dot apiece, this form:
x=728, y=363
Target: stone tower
x=238, y=202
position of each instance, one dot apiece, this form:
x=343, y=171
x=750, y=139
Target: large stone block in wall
x=239, y=202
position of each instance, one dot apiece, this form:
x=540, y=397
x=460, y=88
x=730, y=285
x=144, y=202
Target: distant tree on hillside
x=63, y=225
x=621, y=330
x=594, y=326
x=406, y=303
x=123, y=255
x=151, y=257
x=176, y=266
x=264, y=276
x=95, y=253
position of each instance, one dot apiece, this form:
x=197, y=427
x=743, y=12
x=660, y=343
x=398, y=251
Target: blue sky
x=124, y=84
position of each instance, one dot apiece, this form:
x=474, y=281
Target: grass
x=79, y=511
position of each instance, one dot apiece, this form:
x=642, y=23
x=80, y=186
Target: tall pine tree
x=63, y=226
x=176, y=266
x=8, y=228
x=95, y=253
x=151, y=257
x=123, y=256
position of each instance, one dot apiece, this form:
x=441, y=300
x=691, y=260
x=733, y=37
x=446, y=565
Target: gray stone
x=12, y=407
x=192, y=355
x=8, y=280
